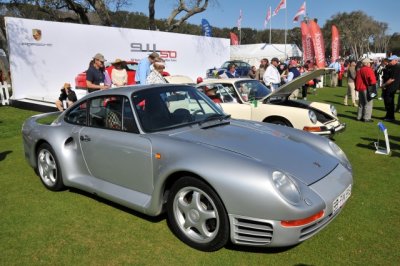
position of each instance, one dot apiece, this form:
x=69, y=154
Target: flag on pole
x=206, y=28
x=234, y=39
x=239, y=22
x=281, y=5
x=302, y=11
x=268, y=17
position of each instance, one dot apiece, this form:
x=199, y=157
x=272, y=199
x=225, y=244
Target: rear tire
x=197, y=216
x=48, y=168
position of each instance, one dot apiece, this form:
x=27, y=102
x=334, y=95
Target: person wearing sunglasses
x=95, y=74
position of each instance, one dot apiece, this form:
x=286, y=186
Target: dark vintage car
x=242, y=69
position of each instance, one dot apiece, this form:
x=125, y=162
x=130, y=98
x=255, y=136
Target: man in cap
x=365, y=77
x=95, y=74
x=271, y=77
x=144, y=68
x=391, y=86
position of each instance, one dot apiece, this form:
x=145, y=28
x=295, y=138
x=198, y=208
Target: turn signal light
x=312, y=129
x=304, y=221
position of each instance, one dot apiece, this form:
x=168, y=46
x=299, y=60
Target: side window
x=78, y=115
x=232, y=91
x=129, y=123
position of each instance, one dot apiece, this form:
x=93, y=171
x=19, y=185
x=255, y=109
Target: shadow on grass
x=152, y=219
x=4, y=154
x=252, y=249
x=394, y=147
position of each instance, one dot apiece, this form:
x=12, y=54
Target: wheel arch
x=174, y=177
x=271, y=119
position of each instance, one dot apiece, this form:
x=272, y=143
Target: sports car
x=169, y=148
x=250, y=99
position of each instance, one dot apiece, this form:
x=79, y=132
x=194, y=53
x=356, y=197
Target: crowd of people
x=364, y=79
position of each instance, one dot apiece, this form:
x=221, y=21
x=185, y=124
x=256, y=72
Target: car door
x=116, y=154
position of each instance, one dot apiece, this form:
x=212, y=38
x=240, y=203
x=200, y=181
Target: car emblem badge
x=317, y=164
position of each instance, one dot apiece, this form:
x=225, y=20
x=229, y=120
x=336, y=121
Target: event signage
x=206, y=27
x=44, y=55
x=335, y=44
x=308, y=48
x=318, y=42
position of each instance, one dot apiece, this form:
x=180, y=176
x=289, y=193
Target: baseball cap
x=99, y=56
x=366, y=60
x=394, y=57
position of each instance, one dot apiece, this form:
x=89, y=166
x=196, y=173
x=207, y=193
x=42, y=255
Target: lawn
x=38, y=226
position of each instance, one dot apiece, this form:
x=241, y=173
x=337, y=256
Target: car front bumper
x=334, y=189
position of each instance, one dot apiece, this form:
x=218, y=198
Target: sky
x=225, y=13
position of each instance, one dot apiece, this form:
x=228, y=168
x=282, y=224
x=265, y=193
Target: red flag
x=335, y=43
x=302, y=11
x=234, y=39
x=268, y=17
x=281, y=5
x=308, y=48
x=318, y=42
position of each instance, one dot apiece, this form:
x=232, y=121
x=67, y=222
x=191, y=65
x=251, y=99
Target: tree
x=188, y=8
x=359, y=33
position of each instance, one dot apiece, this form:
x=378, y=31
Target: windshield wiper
x=219, y=117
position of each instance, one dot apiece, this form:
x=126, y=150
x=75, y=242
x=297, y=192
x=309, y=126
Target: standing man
x=391, y=86
x=334, y=75
x=271, y=77
x=144, y=68
x=95, y=74
x=365, y=77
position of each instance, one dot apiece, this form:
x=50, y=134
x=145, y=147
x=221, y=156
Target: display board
x=44, y=55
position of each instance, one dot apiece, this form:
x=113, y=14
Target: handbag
x=371, y=92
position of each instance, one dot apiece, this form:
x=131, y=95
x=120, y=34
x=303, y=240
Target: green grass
x=38, y=226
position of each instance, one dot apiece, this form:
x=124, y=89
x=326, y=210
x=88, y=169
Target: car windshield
x=170, y=107
x=251, y=90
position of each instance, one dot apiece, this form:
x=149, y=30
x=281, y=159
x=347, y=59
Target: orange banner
x=335, y=43
x=234, y=39
x=318, y=42
x=308, y=48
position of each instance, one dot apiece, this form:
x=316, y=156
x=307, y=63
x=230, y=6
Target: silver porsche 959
x=169, y=148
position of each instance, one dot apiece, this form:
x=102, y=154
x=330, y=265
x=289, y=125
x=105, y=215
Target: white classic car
x=246, y=98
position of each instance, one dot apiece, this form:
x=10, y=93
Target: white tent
x=253, y=53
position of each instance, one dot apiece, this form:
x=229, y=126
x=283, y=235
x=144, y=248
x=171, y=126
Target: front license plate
x=339, y=201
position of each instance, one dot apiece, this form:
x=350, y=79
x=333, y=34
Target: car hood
x=267, y=145
x=289, y=88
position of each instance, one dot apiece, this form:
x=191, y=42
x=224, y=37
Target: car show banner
x=318, y=42
x=306, y=41
x=335, y=43
x=44, y=55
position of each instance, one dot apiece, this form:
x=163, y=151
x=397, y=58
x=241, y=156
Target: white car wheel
x=197, y=216
x=48, y=168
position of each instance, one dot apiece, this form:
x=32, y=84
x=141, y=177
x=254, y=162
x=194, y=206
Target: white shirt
x=271, y=75
x=119, y=77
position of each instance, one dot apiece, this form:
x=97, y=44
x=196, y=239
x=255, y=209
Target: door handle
x=85, y=138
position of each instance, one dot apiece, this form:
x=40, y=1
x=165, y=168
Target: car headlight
x=340, y=155
x=286, y=187
x=312, y=116
x=333, y=110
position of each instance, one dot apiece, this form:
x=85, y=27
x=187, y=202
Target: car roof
x=127, y=90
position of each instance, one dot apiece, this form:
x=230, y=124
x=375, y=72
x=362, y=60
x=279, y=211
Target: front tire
x=197, y=216
x=48, y=168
